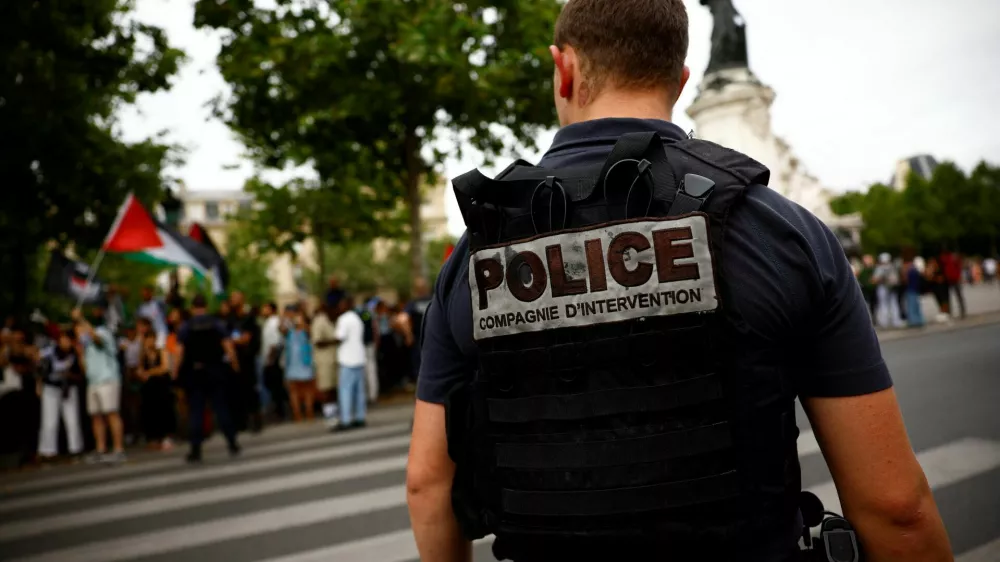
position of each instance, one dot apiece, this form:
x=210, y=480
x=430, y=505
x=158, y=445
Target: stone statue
x=729, y=36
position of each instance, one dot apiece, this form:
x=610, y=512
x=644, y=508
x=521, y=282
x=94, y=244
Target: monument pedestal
x=733, y=109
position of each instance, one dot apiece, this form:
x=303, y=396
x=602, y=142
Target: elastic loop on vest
x=622, y=500
x=606, y=402
x=619, y=452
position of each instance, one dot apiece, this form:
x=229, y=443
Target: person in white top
x=990, y=269
x=350, y=335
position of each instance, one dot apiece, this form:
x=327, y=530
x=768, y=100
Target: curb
x=955, y=325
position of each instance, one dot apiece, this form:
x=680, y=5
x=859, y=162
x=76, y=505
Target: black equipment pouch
x=837, y=541
x=459, y=428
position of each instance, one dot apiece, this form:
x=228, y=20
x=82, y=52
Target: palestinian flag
x=138, y=236
x=69, y=278
x=198, y=233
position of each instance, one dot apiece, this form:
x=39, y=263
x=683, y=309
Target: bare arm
x=882, y=488
x=230, y=349
x=428, y=489
x=177, y=362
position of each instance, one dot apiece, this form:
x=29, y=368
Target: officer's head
x=615, y=54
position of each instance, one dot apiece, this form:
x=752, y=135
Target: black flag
x=69, y=277
x=200, y=235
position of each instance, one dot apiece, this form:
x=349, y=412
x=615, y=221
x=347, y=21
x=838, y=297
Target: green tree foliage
x=359, y=89
x=360, y=273
x=67, y=67
x=949, y=210
x=248, y=265
x=284, y=216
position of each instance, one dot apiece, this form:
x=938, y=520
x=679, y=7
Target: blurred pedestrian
x=299, y=369
x=158, y=414
x=156, y=312
x=350, y=334
x=333, y=293
x=246, y=337
x=415, y=311
x=202, y=342
x=951, y=262
x=104, y=381
x=989, y=269
x=366, y=312
x=386, y=348
x=272, y=345
x=938, y=284
x=886, y=278
x=914, y=285
x=62, y=378
x=865, y=275
x=19, y=404
x=324, y=343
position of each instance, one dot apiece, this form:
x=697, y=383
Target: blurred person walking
x=951, y=262
x=886, y=279
x=324, y=342
x=202, y=342
x=19, y=404
x=415, y=311
x=104, y=381
x=271, y=347
x=158, y=415
x=366, y=312
x=865, y=279
x=990, y=269
x=246, y=337
x=61, y=381
x=350, y=334
x=934, y=274
x=914, y=285
x=299, y=369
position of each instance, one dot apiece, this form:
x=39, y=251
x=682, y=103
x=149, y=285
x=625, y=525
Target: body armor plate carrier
x=616, y=405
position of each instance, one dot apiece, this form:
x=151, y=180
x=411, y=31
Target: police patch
x=600, y=274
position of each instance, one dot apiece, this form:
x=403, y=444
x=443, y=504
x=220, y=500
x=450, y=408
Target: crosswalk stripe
x=184, y=500
x=398, y=546
x=152, y=466
x=233, y=469
x=943, y=466
x=807, y=444
x=210, y=532
x=989, y=552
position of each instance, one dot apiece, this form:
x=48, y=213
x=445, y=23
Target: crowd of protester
x=100, y=383
x=893, y=287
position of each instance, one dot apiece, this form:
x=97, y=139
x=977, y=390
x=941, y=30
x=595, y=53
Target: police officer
x=613, y=351
x=203, y=343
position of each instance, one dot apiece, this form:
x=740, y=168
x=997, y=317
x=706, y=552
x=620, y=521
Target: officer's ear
x=565, y=66
x=685, y=76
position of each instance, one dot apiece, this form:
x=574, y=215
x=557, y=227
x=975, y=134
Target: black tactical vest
x=617, y=414
x=203, y=349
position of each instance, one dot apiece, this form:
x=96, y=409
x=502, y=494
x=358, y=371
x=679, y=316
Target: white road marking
x=192, y=475
x=943, y=466
x=138, y=508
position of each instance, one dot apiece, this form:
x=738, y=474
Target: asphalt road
x=300, y=494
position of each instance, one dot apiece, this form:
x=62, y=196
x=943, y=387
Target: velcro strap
x=619, y=452
x=622, y=500
x=606, y=402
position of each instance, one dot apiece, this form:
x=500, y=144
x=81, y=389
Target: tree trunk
x=19, y=280
x=414, y=203
x=320, y=259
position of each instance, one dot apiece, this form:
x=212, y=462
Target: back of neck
x=624, y=104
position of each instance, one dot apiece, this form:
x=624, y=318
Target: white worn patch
x=607, y=273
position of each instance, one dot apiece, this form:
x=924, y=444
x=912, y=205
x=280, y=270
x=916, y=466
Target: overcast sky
x=860, y=84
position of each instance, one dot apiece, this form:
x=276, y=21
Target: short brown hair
x=634, y=43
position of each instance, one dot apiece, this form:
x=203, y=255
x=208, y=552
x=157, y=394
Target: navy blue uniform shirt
x=788, y=274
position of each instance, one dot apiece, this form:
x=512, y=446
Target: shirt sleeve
x=442, y=363
x=341, y=329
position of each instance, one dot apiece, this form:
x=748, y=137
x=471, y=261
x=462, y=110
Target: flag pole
x=100, y=255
